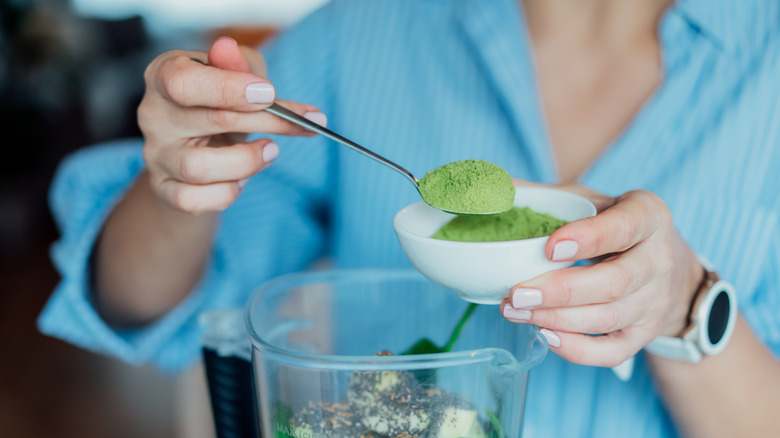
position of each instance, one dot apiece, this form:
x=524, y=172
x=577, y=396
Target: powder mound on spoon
x=468, y=187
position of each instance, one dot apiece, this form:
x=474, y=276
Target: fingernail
x=242, y=183
x=565, y=249
x=270, y=152
x=516, y=314
x=226, y=38
x=523, y=298
x=553, y=340
x=261, y=92
x=317, y=117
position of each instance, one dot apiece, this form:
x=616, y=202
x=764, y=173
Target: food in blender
x=393, y=404
x=390, y=404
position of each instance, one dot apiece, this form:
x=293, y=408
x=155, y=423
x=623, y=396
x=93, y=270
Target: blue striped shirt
x=425, y=83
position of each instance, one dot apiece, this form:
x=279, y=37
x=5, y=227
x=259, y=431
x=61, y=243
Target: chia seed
x=381, y=404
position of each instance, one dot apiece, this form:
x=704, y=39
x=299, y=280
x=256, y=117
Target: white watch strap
x=687, y=348
x=674, y=348
x=625, y=369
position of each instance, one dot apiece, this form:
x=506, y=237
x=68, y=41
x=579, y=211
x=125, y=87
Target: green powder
x=469, y=187
x=515, y=224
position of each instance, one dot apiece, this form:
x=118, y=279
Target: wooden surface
x=51, y=389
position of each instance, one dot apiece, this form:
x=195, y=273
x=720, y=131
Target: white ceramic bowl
x=484, y=272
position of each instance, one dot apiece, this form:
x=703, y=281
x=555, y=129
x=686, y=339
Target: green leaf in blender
x=426, y=346
x=497, y=431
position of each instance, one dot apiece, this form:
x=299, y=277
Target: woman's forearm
x=736, y=393
x=148, y=257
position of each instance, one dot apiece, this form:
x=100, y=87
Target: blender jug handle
x=622, y=371
x=539, y=349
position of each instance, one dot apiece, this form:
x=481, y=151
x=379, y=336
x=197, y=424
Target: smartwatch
x=711, y=322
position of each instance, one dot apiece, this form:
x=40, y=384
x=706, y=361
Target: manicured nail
x=516, y=314
x=226, y=38
x=552, y=338
x=242, y=183
x=565, y=249
x=317, y=117
x=261, y=92
x=270, y=152
x=524, y=298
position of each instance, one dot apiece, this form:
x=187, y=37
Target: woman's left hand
x=640, y=285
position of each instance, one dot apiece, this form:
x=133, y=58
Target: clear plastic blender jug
x=316, y=336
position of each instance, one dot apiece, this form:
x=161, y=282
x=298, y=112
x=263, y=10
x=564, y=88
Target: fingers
x=197, y=199
x=609, y=350
x=213, y=178
x=226, y=54
x=192, y=112
x=624, y=299
x=256, y=61
x=594, y=319
x=599, y=200
x=189, y=84
x=208, y=165
x=190, y=99
x=635, y=216
x=227, y=83
x=197, y=122
x=603, y=282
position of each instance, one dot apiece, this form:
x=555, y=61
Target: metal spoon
x=290, y=116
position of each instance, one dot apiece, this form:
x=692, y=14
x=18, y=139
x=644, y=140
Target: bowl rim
x=400, y=229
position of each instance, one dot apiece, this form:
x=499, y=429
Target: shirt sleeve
x=90, y=182
x=85, y=189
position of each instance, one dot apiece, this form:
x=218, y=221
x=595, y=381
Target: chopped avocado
x=459, y=422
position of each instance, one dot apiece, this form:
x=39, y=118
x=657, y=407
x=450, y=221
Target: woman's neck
x=597, y=63
x=605, y=23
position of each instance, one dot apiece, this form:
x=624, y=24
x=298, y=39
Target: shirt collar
x=728, y=24
x=497, y=36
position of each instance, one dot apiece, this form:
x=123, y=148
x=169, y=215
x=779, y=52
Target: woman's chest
x=589, y=96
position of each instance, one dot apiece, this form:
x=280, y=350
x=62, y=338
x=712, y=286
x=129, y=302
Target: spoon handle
x=290, y=116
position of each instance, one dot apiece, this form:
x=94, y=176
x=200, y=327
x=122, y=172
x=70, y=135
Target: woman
x=670, y=110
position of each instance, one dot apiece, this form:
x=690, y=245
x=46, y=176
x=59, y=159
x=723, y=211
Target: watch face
x=719, y=317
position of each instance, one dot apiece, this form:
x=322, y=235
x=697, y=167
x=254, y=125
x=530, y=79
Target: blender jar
x=325, y=359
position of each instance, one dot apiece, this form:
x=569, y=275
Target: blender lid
x=225, y=333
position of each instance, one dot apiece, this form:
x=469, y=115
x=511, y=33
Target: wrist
x=680, y=313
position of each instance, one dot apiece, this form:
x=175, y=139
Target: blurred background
x=71, y=75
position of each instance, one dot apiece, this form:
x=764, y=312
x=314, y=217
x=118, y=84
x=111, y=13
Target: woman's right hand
x=195, y=119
